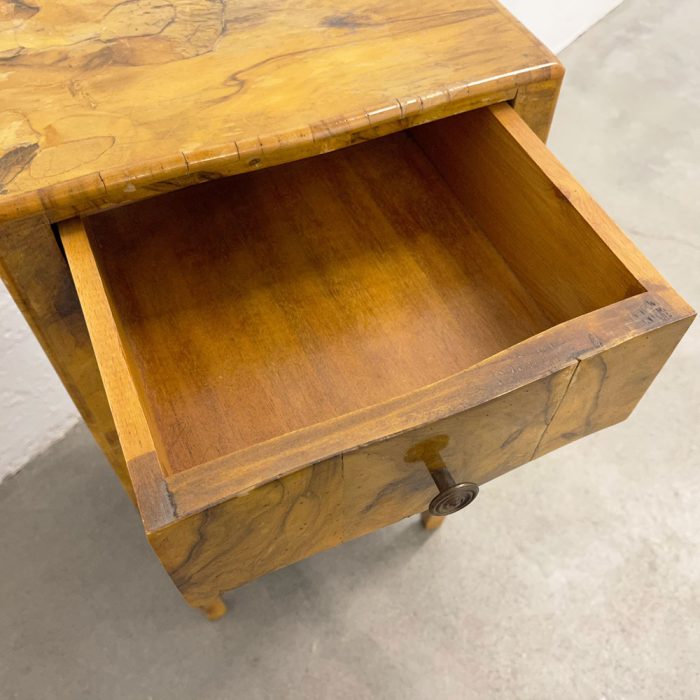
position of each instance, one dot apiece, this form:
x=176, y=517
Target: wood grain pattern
x=117, y=375
x=275, y=345
x=534, y=162
x=594, y=323
x=362, y=283
x=548, y=244
x=482, y=443
x=37, y=276
x=608, y=385
x=268, y=307
x=375, y=486
x=207, y=87
x=378, y=486
x=338, y=500
x=535, y=104
x=530, y=360
x=275, y=525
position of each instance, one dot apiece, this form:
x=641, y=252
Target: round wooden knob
x=453, y=498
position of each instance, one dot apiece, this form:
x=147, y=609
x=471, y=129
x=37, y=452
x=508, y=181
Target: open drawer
x=276, y=345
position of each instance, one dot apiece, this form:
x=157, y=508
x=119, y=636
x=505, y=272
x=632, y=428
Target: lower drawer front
x=390, y=480
x=339, y=499
x=342, y=498
x=235, y=542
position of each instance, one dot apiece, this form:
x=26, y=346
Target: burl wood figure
x=415, y=299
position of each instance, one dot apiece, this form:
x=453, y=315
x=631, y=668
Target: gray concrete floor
x=575, y=577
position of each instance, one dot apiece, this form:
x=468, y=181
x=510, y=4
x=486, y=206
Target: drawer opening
x=258, y=305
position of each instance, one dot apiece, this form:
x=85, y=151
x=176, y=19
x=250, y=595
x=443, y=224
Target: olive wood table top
x=102, y=101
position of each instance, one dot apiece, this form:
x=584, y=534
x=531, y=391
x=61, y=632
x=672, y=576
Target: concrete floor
x=575, y=577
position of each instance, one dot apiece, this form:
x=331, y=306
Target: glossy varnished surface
x=109, y=101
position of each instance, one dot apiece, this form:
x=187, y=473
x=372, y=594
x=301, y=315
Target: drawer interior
x=254, y=306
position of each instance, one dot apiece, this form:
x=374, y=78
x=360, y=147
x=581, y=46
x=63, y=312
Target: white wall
x=558, y=22
x=35, y=409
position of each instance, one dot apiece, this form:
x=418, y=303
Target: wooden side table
x=415, y=299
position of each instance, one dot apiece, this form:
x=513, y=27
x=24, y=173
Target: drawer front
x=241, y=539
x=374, y=486
x=608, y=385
x=337, y=500
x=476, y=445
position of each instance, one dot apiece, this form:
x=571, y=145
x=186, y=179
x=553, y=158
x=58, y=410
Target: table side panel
x=38, y=279
x=535, y=103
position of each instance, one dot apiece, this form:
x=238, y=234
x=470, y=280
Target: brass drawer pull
x=452, y=496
